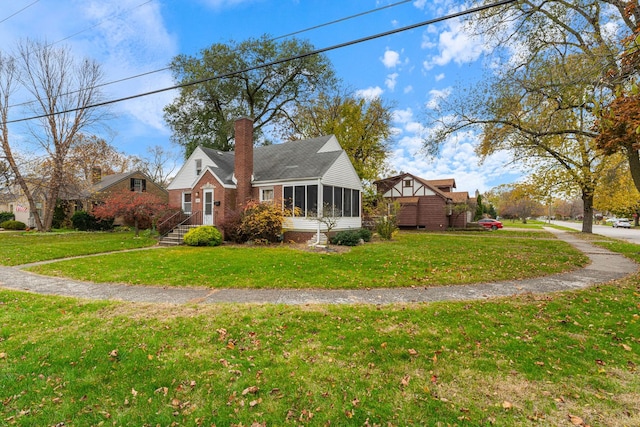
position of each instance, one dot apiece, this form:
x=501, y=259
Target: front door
x=207, y=214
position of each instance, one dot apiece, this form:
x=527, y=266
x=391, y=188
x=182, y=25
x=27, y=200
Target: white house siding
x=342, y=174
x=331, y=145
x=186, y=177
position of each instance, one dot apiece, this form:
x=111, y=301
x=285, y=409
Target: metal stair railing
x=194, y=218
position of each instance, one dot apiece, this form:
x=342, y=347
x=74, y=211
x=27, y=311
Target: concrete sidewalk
x=605, y=266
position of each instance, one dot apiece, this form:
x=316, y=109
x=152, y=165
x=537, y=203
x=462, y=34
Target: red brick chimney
x=243, y=167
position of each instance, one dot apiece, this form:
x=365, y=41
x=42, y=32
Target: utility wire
x=276, y=62
x=275, y=38
x=108, y=18
x=15, y=13
x=357, y=15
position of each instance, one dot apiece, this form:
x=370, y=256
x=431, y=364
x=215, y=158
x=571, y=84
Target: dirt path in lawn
x=605, y=266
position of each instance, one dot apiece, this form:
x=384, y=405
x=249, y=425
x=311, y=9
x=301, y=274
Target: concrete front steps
x=174, y=238
x=315, y=242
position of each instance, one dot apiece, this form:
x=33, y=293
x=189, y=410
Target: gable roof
x=111, y=180
x=386, y=184
x=295, y=160
x=448, y=182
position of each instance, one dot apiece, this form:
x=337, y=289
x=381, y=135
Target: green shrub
x=84, y=221
x=365, y=234
x=6, y=216
x=13, y=225
x=386, y=226
x=347, y=238
x=205, y=235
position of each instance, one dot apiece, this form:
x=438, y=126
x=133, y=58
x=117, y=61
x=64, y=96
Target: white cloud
x=131, y=46
x=439, y=77
x=457, y=158
x=437, y=95
x=455, y=45
x=407, y=89
x=390, y=59
x=220, y=4
x=370, y=93
x=391, y=81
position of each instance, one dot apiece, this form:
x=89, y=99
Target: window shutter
x=144, y=185
x=132, y=184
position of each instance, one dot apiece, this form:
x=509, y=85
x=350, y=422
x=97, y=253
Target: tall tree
x=363, y=128
x=241, y=83
x=540, y=114
x=63, y=89
x=616, y=192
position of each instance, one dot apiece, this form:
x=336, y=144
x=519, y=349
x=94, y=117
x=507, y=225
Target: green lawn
x=530, y=360
x=26, y=247
x=412, y=259
x=555, y=360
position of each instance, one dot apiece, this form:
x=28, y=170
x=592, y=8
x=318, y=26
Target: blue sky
x=411, y=69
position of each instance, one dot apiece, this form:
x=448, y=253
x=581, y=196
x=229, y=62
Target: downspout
x=318, y=212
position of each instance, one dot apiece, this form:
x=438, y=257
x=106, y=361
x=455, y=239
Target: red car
x=490, y=223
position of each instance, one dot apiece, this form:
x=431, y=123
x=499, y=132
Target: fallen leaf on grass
x=576, y=420
x=253, y=390
x=507, y=405
x=412, y=352
x=405, y=381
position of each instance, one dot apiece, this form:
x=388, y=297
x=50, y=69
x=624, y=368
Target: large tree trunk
x=587, y=221
x=634, y=164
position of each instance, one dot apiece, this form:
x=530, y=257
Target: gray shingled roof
x=279, y=162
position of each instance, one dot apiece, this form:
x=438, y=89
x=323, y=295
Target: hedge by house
x=13, y=225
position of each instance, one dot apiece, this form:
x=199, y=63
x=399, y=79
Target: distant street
x=632, y=235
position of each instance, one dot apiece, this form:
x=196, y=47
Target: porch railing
x=178, y=219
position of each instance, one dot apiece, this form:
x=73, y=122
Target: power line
x=275, y=38
x=357, y=15
x=108, y=18
x=277, y=62
x=15, y=13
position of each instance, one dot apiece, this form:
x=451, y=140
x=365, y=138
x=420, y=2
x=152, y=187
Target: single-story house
x=429, y=204
x=313, y=175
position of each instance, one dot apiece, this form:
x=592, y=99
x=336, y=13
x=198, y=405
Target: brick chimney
x=243, y=166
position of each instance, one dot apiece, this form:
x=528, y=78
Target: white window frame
x=266, y=190
x=184, y=202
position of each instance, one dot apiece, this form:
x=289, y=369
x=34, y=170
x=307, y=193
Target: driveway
x=605, y=266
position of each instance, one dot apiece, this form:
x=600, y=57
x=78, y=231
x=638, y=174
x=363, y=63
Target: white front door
x=207, y=214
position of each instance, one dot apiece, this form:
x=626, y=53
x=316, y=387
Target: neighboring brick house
x=214, y=185
x=428, y=204
x=132, y=181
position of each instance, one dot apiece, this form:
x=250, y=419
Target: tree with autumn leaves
x=136, y=208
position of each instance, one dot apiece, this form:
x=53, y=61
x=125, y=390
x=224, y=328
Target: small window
x=407, y=183
x=186, y=203
x=266, y=195
x=138, y=185
x=198, y=166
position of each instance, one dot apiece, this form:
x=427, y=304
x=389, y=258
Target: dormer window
x=407, y=183
x=198, y=166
